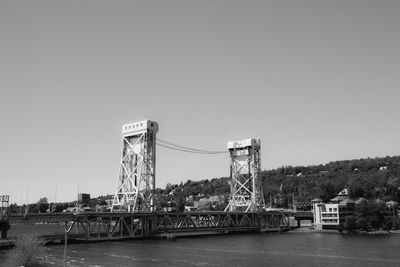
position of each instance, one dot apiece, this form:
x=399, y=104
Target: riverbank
x=334, y=231
x=310, y=229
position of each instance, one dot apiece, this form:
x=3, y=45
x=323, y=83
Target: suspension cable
x=173, y=146
x=188, y=151
x=189, y=148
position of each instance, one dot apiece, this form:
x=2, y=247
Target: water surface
x=268, y=249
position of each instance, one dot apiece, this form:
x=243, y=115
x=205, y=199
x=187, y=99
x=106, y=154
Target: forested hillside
x=368, y=178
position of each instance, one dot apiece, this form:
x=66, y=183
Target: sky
x=316, y=81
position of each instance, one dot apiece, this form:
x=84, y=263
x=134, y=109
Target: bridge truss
x=136, y=181
x=246, y=186
x=4, y=202
x=110, y=226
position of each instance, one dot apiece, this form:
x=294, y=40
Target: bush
x=362, y=223
x=28, y=252
x=349, y=224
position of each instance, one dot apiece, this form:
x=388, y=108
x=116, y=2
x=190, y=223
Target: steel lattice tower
x=136, y=181
x=246, y=186
x=4, y=203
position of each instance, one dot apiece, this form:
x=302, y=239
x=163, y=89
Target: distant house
x=361, y=201
x=83, y=198
x=340, y=197
x=392, y=206
x=190, y=208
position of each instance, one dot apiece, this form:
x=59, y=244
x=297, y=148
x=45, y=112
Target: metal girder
x=220, y=221
x=114, y=226
x=108, y=226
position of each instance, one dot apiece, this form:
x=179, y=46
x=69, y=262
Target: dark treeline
x=371, y=216
x=43, y=205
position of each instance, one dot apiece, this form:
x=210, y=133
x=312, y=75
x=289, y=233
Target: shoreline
x=307, y=229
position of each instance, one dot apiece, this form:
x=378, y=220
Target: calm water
x=269, y=249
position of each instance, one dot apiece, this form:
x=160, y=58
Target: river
x=266, y=249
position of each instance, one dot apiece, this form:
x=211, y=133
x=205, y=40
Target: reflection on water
x=269, y=249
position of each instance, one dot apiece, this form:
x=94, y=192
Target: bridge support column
x=149, y=226
x=4, y=227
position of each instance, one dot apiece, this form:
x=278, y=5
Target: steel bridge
x=112, y=226
x=134, y=212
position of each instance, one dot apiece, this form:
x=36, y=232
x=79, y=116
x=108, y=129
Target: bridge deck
x=110, y=226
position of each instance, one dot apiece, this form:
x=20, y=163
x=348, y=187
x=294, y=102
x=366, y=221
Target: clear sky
x=317, y=81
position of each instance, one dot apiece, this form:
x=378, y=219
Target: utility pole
x=65, y=243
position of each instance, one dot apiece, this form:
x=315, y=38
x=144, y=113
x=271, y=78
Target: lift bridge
x=134, y=213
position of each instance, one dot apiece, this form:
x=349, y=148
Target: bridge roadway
x=114, y=226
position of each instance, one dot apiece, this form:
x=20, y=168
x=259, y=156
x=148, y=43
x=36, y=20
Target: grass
x=28, y=252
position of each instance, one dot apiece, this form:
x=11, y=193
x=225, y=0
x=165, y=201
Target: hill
x=368, y=178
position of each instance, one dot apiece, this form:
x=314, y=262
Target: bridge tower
x=136, y=181
x=4, y=201
x=246, y=187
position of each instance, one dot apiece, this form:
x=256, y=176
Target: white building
x=325, y=215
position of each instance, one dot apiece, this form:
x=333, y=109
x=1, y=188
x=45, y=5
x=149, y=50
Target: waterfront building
x=330, y=215
x=326, y=215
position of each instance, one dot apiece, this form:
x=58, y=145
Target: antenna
x=77, y=197
x=26, y=202
x=53, y=207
